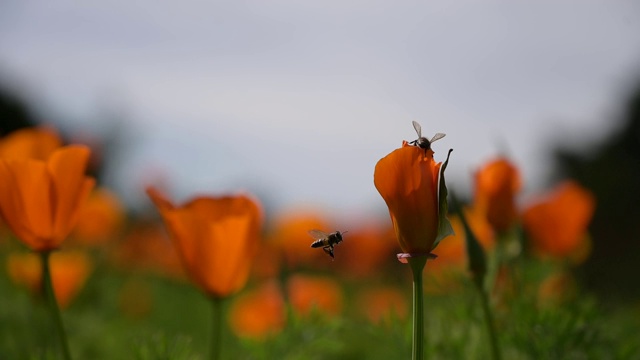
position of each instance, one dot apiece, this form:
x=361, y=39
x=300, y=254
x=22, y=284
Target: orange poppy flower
x=29, y=143
x=145, y=247
x=496, y=185
x=40, y=201
x=557, y=224
x=381, y=305
x=412, y=184
x=216, y=238
x=100, y=219
x=366, y=250
x=259, y=313
x=307, y=293
x=69, y=272
x=267, y=262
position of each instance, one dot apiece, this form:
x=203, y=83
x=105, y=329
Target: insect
x=326, y=241
x=423, y=142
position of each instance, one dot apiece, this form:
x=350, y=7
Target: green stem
x=216, y=328
x=417, y=266
x=53, y=304
x=493, y=336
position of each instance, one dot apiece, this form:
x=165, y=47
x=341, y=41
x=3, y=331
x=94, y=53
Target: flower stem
x=493, y=336
x=216, y=328
x=417, y=265
x=53, y=304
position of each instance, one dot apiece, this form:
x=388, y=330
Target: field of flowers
x=217, y=277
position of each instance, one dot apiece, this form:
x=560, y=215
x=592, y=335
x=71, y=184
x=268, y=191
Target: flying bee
x=326, y=241
x=423, y=142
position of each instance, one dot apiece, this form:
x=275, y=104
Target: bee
x=326, y=241
x=423, y=142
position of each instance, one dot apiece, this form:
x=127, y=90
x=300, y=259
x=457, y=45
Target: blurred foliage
x=14, y=112
x=176, y=325
x=611, y=170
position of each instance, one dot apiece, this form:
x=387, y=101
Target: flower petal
x=224, y=258
x=407, y=181
x=159, y=199
x=67, y=167
x=215, y=237
x=26, y=202
x=29, y=143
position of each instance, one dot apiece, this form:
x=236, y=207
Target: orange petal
x=215, y=237
x=159, y=199
x=25, y=202
x=408, y=182
x=186, y=231
x=67, y=167
x=223, y=259
x=496, y=185
x=307, y=293
x=69, y=272
x=29, y=143
x=381, y=305
x=100, y=219
x=558, y=223
x=259, y=313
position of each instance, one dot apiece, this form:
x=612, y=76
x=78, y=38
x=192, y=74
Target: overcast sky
x=298, y=100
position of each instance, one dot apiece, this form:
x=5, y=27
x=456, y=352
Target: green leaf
x=444, y=226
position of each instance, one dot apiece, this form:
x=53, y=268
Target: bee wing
x=418, y=128
x=317, y=234
x=437, y=136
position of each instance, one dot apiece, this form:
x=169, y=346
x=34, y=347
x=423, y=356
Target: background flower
x=258, y=313
x=40, y=201
x=496, y=186
x=314, y=292
x=100, y=219
x=216, y=238
x=69, y=272
x=557, y=223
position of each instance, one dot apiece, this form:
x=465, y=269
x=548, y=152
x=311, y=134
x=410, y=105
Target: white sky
x=298, y=100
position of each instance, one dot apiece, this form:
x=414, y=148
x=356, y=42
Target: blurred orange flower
x=40, y=200
x=366, y=250
x=216, y=238
x=496, y=185
x=557, y=223
x=267, y=262
x=146, y=247
x=259, y=313
x=290, y=236
x=100, y=219
x=307, y=293
x=29, y=143
x=409, y=182
x=69, y=272
x=381, y=305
